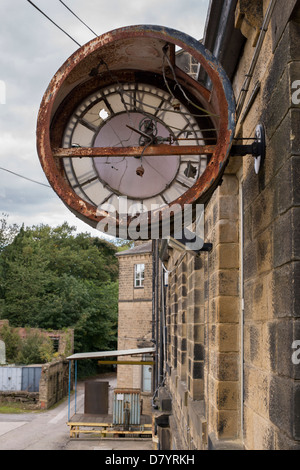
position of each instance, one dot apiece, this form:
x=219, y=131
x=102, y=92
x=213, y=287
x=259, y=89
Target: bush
x=35, y=349
x=12, y=343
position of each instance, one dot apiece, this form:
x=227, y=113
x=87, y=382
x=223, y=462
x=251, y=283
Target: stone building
x=135, y=318
x=39, y=385
x=230, y=373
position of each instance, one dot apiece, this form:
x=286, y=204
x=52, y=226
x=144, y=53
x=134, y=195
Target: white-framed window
x=147, y=375
x=139, y=275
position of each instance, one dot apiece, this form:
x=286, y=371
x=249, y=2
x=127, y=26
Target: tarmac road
x=48, y=431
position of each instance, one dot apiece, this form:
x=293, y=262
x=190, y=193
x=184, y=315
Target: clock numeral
x=88, y=125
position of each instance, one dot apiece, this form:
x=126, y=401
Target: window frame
x=139, y=277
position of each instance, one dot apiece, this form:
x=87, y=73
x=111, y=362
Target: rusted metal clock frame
x=134, y=54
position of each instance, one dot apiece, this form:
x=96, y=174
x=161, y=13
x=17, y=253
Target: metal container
x=31, y=377
x=96, y=397
x=10, y=379
x=22, y=378
x=127, y=407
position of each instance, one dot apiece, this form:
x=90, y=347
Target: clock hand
x=155, y=140
x=140, y=132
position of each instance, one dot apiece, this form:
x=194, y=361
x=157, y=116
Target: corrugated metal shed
x=127, y=407
x=20, y=378
x=10, y=379
x=31, y=377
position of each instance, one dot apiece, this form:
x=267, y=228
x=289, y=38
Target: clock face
x=126, y=117
x=132, y=115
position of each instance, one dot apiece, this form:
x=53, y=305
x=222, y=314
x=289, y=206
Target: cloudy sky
x=31, y=51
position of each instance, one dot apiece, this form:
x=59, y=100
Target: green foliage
x=35, y=349
x=7, y=232
x=54, y=279
x=12, y=343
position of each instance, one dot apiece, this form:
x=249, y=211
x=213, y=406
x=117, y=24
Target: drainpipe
x=157, y=311
x=162, y=327
x=153, y=309
x=242, y=303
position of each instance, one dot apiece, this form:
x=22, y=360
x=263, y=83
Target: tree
x=54, y=279
x=12, y=343
x=7, y=232
x=35, y=349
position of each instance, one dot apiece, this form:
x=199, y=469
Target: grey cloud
x=31, y=51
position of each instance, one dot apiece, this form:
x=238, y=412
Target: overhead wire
x=25, y=177
x=68, y=8
x=120, y=89
x=53, y=22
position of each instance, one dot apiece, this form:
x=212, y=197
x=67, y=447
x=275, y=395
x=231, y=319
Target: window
x=55, y=341
x=139, y=272
x=147, y=375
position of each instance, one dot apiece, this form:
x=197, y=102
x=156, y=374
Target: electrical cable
x=66, y=6
x=180, y=87
x=170, y=110
x=25, y=178
x=55, y=24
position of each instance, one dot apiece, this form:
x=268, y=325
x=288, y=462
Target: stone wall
x=233, y=314
x=272, y=255
x=203, y=323
x=54, y=378
x=29, y=400
x=64, y=339
x=134, y=320
x=53, y=383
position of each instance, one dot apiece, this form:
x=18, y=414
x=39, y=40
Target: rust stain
x=73, y=82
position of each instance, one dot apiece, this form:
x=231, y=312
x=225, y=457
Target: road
x=48, y=430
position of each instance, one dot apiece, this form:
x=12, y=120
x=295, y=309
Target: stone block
x=227, y=207
x=225, y=309
x=287, y=184
x=257, y=390
x=224, y=282
x=286, y=291
x=296, y=412
x=250, y=260
x=227, y=424
x=265, y=250
x=263, y=434
x=227, y=367
x=255, y=350
x=196, y=388
x=228, y=337
x=229, y=186
x=285, y=406
x=284, y=143
x=282, y=335
x=225, y=231
x=285, y=443
x=258, y=298
x=199, y=352
x=225, y=256
x=278, y=105
x=197, y=371
x=285, y=34
x=287, y=237
x=251, y=188
x=227, y=395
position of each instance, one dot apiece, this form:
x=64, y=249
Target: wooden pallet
x=108, y=430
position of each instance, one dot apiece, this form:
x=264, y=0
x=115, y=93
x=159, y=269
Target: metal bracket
x=257, y=149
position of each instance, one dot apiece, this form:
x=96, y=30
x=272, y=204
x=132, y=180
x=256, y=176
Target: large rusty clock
x=124, y=118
